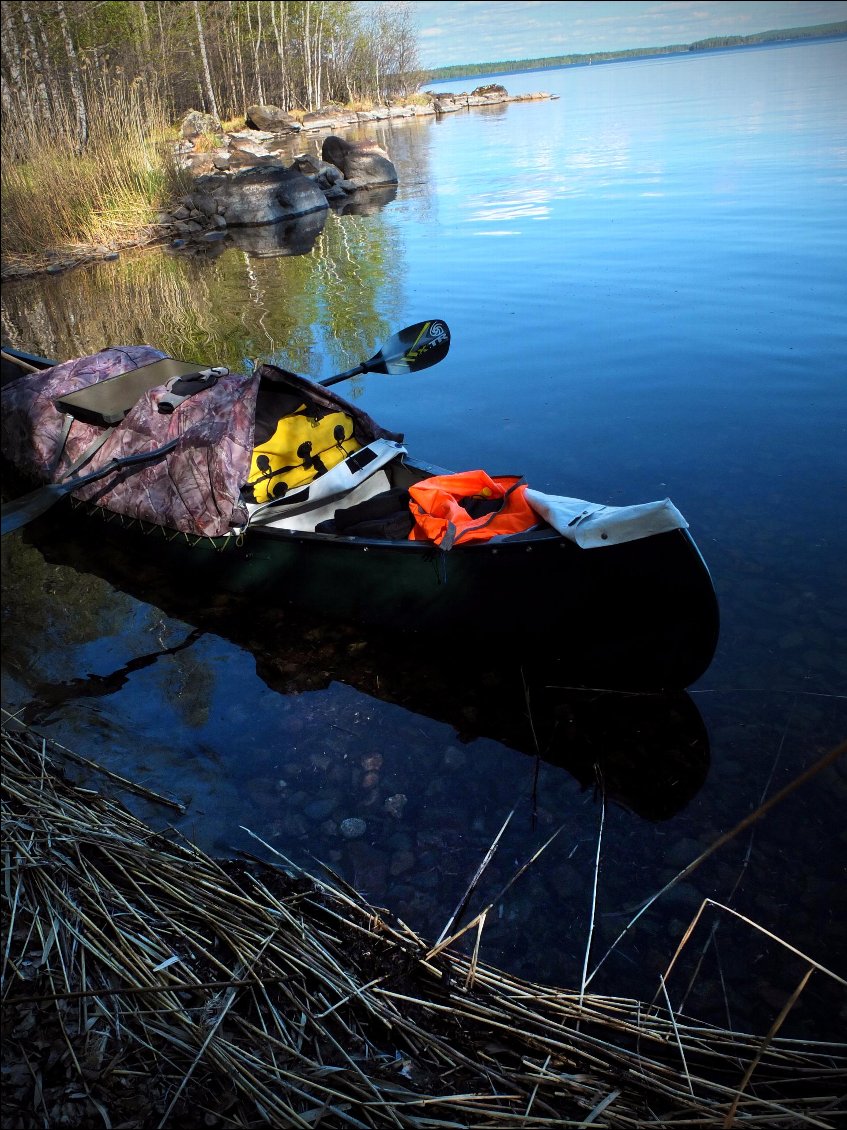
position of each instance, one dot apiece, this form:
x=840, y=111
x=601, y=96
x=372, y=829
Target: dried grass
x=146, y=984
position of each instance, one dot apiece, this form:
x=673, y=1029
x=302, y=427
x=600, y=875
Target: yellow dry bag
x=301, y=447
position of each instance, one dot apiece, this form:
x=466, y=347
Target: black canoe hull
x=642, y=615
x=637, y=616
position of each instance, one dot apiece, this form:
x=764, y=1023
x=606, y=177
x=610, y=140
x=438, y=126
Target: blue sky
x=482, y=31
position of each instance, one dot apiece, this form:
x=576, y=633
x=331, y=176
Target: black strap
x=60, y=451
x=92, y=449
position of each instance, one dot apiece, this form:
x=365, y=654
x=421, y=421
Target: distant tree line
x=217, y=56
x=551, y=62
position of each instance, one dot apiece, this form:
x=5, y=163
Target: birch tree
x=257, y=39
x=207, y=74
x=40, y=84
x=74, y=77
x=13, y=58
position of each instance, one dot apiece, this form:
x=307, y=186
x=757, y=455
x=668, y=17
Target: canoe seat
x=109, y=400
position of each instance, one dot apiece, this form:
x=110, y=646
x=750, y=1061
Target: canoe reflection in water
x=646, y=752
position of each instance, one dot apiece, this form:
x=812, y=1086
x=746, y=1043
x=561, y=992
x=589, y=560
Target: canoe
x=638, y=614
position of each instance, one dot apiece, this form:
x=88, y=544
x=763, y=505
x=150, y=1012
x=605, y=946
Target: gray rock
x=320, y=809
x=394, y=805
x=401, y=862
x=206, y=205
x=270, y=119
x=335, y=192
x=289, y=237
x=352, y=828
x=329, y=117
x=370, y=869
x=196, y=122
x=262, y=195
x=359, y=161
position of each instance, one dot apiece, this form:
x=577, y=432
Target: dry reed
x=146, y=984
x=56, y=198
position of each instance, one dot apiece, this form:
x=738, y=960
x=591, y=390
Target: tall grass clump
x=58, y=196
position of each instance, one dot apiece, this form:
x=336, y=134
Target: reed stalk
x=146, y=984
x=58, y=198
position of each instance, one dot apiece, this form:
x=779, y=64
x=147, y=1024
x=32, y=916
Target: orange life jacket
x=446, y=508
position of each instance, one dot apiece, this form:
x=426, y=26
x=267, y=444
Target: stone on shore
x=270, y=118
x=196, y=123
x=362, y=162
x=266, y=194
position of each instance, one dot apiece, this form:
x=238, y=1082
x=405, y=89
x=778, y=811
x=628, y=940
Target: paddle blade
x=22, y=510
x=416, y=347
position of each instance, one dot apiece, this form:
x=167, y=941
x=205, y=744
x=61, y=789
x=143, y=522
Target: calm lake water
x=646, y=284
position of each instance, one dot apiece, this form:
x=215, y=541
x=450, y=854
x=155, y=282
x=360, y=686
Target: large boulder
x=266, y=194
x=329, y=117
x=196, y=123
x=270, y=118
x=362, y=162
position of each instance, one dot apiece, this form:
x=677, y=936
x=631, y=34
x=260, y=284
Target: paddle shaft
x=23, y=510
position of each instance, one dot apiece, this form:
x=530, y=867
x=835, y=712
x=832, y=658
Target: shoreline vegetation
x=148, y=984
x=91, y=95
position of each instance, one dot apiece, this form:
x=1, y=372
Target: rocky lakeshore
x=255, y=175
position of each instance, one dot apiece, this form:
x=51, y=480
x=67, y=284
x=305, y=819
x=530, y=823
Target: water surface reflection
x=649, y=753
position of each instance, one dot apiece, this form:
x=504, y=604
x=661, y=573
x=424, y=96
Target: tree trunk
x=144, y=40
x=235, y=24
x=11, y=49
x=49, y=61
x=319, y=55
x=307, y=57
x=40, y=85
x=74, y=77
x=207, y=74
x=285, y=84
x=5, y=95
x=257, y=75
x=279, y=32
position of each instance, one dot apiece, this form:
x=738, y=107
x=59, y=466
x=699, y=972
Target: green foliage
x=90, y=100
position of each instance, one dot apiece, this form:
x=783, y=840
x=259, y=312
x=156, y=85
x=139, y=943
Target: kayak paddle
x=22, y=510
x=417, y=347
x=412, y=349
